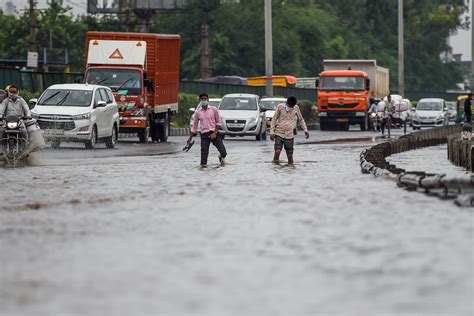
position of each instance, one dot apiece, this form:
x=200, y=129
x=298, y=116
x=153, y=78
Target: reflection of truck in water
x=143, y=72
x=345, y=89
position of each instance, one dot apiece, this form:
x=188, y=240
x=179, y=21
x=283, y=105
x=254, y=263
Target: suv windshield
x=127, y=81
x=64, y=97
x=429, y=106
x=271, y=104
x=238, y=103
x=341, y=83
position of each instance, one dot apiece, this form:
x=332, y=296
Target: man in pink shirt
x=210, y=123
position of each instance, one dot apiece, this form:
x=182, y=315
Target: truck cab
x=143, y=72
x=343, y=97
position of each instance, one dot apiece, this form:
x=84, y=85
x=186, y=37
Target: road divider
x=461, y=188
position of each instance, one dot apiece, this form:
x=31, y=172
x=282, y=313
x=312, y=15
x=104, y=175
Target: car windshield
x=429, y=106
x=214, y=103
x=271, y=104
x=124, y=81
x=65, y=97
x=341, y=83
x=238, y=104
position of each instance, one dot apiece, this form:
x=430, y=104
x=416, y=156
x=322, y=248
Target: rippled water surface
x=114, y=234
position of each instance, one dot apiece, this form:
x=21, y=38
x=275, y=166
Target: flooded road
x=112, y=233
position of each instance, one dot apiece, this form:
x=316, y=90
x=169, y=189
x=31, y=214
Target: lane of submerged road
x=90, y=232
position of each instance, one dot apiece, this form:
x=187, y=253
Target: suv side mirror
x=100, y=104
x=32, y=103
x=192, y=110
x=262, y=109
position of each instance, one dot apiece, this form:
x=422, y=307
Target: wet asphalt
x=142, y=230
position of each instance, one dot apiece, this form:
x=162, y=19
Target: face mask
x=288, y=108
x=204, y=104
x=13, y=96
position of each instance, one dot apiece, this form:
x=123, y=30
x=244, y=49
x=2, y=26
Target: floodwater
x=109, y=233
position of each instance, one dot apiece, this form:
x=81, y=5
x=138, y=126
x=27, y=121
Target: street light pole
x=268, y=48
x=401, y=68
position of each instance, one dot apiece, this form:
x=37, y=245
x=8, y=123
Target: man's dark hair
x=203, y=95
x=291, y=101
x=12, y=86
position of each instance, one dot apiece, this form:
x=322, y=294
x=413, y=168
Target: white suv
x=78, y=113
x=242, y=115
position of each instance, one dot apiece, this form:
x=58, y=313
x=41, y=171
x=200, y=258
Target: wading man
x=281, y=130
x=210, y=123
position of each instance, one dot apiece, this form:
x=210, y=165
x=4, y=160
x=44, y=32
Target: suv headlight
x=84, y=116
x=35, y=115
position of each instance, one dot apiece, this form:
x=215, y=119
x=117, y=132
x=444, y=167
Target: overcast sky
x=461, y=41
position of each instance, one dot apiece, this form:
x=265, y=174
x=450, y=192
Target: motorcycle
x=14, y=139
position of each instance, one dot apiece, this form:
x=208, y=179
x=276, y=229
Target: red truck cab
x=143, y=72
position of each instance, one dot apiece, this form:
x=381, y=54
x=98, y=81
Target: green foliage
x=27, y=95
x=304, y=33
x=185, y=102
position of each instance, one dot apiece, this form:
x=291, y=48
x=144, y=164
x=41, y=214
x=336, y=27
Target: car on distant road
x=77, y=113
x=452, y=111
x=242, y=115
x=430, y=112
x=270, y=104
x=212, y=102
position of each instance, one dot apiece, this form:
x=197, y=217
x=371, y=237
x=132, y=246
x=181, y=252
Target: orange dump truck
x=345, y=89
x=143, y=72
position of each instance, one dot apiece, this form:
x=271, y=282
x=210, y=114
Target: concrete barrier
x=373, y=161
x=461, y=152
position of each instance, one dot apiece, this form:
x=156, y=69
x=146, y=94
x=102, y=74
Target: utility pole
x=205, y=69
x=472, y=40
x=32, y=26
x=401, y=68
x=268, y=49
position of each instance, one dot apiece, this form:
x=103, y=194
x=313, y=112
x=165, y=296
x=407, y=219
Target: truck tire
x=143, y=134
x=164, y=128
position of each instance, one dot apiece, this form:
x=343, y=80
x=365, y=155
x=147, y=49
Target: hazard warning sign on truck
x=116, y=52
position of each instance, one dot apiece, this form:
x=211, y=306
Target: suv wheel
x=111, y=141
x=90, y=144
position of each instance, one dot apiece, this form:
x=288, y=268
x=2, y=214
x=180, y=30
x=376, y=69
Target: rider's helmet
x=3, y=95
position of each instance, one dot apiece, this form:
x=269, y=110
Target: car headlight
x=441, y=116
x=12, y=125
x=84, y=116
x=373, y=114
x=35, y=115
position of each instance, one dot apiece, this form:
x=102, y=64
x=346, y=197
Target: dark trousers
x=206, y=142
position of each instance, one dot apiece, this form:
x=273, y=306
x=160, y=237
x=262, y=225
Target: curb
x=182, y=131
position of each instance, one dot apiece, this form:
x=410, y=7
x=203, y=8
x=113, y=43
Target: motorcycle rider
x=15, y=105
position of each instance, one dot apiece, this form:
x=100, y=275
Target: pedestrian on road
x=281, y=130
x=467, y=108
x=210, y=123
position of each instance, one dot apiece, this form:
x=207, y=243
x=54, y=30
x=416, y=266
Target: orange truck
x=143, y=72
x=345, y=91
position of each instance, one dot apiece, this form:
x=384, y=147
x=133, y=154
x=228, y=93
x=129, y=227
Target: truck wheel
x=55, y=144
x=163, y=129
x=143, y=134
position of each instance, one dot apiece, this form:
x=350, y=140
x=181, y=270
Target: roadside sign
x=32, y=60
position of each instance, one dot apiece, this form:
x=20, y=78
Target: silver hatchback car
x=242, y=115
